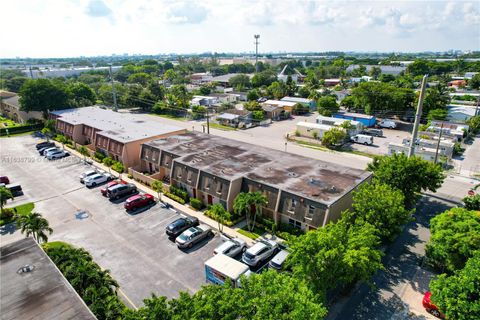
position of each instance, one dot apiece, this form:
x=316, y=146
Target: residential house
x=235, y=118
x=201, y=77
x=332, y=82
x=10, y=108
x=356, y=126
x=445, y=147
x=206, y=101
x=273, y=112
x=312, y=130
x=114, y=134
x=303, y=192
x=460, y=113
x=425, y=153
x=225, y=97
x=450, y=128
x=224, y=80
x=286, y=105
x=310, y=103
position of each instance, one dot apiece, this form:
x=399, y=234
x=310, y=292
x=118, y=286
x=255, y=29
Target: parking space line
x=127, y=298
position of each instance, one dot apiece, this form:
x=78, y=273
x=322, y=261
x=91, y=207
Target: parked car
x=103, y=191
x=87, y=174
x=15, y=188
x=138, y=201
x=47, y=150
x=430, y=307
x=231, y=247
x=175, y=228
x=373, y=132
x=44, y=144
x=56, y=154
x=386, y=123
x=278, y=261
x=4, y=180
x=193, y=235
x=260, y=251
x=96, y=179
x=363, y=139
x=121, y=190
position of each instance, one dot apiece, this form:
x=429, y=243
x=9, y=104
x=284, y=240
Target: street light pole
x=114, y=93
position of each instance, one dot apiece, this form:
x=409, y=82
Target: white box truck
x=220, y=267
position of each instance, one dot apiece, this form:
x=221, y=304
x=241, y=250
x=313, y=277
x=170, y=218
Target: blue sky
x=63, y=28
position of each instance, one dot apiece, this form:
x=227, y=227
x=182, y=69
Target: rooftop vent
x=293, y=174
x=26, y=269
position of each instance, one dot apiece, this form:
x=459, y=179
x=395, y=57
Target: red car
x=4, y=179
x=110, y=184
x=430, y=307
x=138, y=201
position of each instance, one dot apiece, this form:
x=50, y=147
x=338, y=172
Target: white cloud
x=97, y=8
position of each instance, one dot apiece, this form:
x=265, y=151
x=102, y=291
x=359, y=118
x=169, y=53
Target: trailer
x=365, y=119
x=220, y=267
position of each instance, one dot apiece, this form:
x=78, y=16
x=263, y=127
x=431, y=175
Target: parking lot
x=134, y=247
x=380, y=144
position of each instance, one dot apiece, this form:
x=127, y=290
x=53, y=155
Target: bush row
x=175, y=197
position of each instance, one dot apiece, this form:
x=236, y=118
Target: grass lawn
x=220, y=127
x=7, y=123
x=169, y=116
x=312, y=145
x=360, y=153
x=22, y=209
x=19, y=134
x=57, y=245
x=255, y=234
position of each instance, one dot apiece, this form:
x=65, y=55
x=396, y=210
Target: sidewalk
x=230, y=232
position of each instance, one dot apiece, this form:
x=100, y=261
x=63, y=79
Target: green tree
x=474, y=83
x=252, y=106
x=84, y=152
x=263, y=78
x=277, y=90
x=42, y=95
x=242, y=205
x=455, y=236
x=258, y=115
x=157, y=186
x=141, y=78
x=435, y=98
x=220, y=215
x=337, y=254
x=14, y=84
x=240, y=82
x=62, y=139
x=5, y=194
x=437, y=114
x=253, y=95
x=327, y=105
x=348, y=103
x=381, y=206
x=457, y=296
x=257, y=201
x=474, y=123
x=409, y=175
x=34, y=224
x=80, y=94
x=418, y=68
x=375, y=72
x=107, y=161
x=374, y=97
x=472, y=202
x=333, y=137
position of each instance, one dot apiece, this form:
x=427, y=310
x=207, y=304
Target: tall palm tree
x=258, y=201
x=220, y=214
x=34, y=224
x=241, y=206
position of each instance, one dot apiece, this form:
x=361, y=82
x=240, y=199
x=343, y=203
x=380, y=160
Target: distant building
x=64, y=72
x=460, y=113
x=312, y=130
x=200, y=78
x=332, y=82
x=357, y=126
x=204, y=101
x=297, y=76
x=393, y=70
x=365, y=119
x=235, y=118
x=310, y=103
x=33, y=287
x=303, y=192
x=286, y=105
x=111, y=133
x=10, y=108
x=224, y=80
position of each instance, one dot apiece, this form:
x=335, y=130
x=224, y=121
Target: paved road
x=402, y=263
x=134, y=247
x=272, y=136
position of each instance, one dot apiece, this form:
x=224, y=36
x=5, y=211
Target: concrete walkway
x=229, y=232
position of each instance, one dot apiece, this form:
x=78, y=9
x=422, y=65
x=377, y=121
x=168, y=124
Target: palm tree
x=84, y=152
x=157, y=186
x=219, y=214
x=258, y=201
x=241, y=206
x=5, y=194
x=34, y=224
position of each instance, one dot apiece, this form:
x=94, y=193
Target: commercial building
x=312, y=130
x=303, y=192
x=356, y=126
x=114, y=134
x=33, y=287
x=10, y=108
x=365, y=119
x=310, y=103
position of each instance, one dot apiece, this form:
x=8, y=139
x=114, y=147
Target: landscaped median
x=8, y=215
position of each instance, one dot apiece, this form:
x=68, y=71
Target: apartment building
x=117, y=135
x=306, y=193
x=10, y=108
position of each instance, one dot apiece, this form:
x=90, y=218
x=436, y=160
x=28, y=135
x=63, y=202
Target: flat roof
x=297, y=99
x=279, y=103
x=231, y=159
x=356, y=115
x=228, y=266
x=315, y=125
x=12, y=100
x=118, y=126
x=42, y=293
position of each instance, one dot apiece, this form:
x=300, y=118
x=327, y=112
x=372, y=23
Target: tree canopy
x=327, y=105
x=455, y=236
x=409, y=175
x=42, y=95
x=458, y=296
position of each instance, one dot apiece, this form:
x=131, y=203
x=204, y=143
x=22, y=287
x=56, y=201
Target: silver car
x=259, y=252
x=193, y=235
x=231, y=248
x=87, y=174
x=278, y=261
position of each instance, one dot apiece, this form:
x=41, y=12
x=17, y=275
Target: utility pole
x=476, y=108
x=256, y=36
x=438, y=143
x=114, y=93
x=208, y=121
x=418, y=115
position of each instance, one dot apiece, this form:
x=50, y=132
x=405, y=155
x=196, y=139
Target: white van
x=386, y=123
x=363, y=139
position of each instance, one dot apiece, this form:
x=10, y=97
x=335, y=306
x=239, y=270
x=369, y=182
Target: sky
x=72, y=28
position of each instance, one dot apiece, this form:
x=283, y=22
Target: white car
x=96, y=179
x=231, y=248
x=46, y=151
x=385, y=123
x=362, y=139
x=87, y=174
x=260, y=251
x=57, y=154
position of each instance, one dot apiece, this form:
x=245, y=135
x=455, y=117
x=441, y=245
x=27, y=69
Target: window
x=311, y=210
x=189, y=176
x=219, y=187
x=207, y=183
x=293, y=204
x=294, y=223
x=179, y=173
